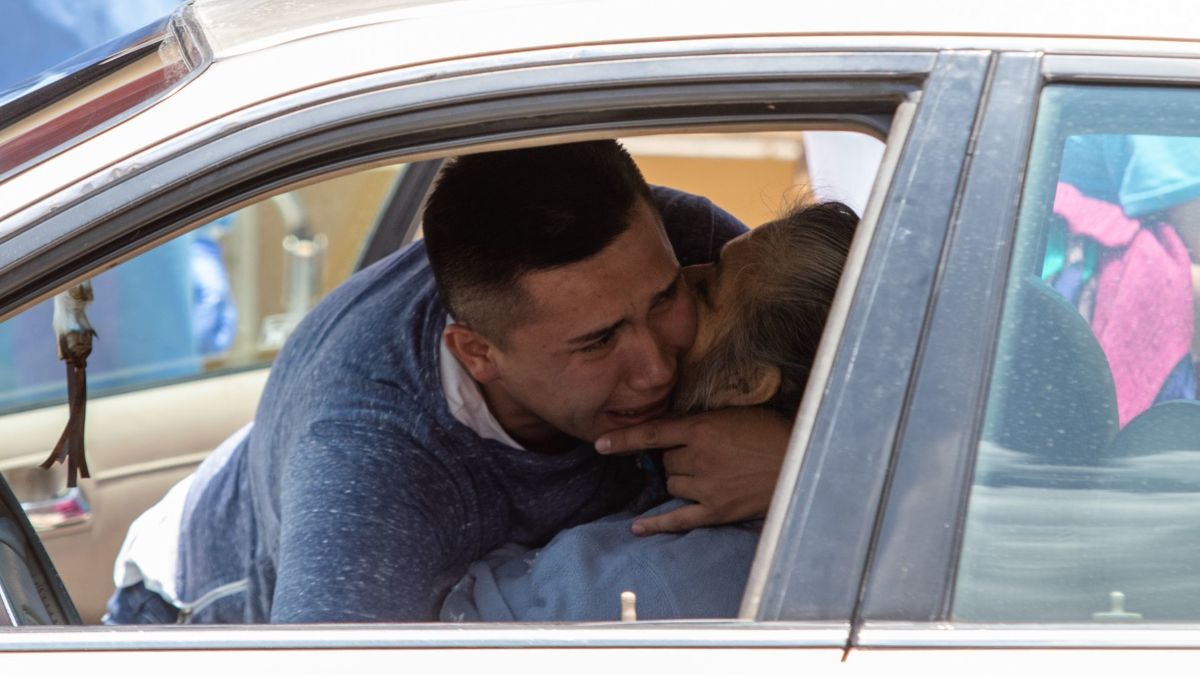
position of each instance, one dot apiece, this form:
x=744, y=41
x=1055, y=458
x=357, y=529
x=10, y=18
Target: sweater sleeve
x=696, y=227
x=368, y=521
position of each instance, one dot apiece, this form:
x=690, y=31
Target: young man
x=436, y=406
x=761, y=312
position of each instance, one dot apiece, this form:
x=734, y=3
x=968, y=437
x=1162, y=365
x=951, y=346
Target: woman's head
x=761, y=310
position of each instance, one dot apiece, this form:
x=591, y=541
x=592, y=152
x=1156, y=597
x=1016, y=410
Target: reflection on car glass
x=1089, y=465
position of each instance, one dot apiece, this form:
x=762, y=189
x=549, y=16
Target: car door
x=807, y=576
x=1040, y=509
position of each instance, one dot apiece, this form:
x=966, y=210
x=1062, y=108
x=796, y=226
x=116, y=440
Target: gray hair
x=784, y=295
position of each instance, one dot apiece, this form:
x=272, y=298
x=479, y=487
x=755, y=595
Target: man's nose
x=652, y=362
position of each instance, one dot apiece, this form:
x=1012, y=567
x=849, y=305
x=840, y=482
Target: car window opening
x=246, y=297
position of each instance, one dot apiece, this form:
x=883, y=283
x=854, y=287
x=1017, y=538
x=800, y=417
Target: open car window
x=188, y=323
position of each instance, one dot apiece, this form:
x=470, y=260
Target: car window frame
x=291, y=148
x=380, y=125
x=919, y=615
x=847, y=455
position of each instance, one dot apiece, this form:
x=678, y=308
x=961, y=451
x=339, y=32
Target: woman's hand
x=727, y=461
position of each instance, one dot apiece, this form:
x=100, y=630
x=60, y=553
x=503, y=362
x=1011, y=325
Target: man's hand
x=727, y=461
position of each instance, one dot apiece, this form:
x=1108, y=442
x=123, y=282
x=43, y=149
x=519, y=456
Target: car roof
x=250, y=55
x=232, y=27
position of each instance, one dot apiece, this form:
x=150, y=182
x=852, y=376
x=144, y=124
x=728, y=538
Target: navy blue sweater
x=358, y=496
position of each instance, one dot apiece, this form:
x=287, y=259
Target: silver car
x=996, y=464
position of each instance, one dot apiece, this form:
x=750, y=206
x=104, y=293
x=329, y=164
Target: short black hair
x=495, y=216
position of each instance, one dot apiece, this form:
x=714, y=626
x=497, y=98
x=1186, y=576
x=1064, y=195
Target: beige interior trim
x=139, y=444
x=187, y=419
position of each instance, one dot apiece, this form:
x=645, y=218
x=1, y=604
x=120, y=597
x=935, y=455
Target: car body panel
x=1044, y=660
x=606, y=660
x=229, y=33
x=576, y=659
x=423, y=35
x=830, y=527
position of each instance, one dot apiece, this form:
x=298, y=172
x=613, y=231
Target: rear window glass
x=1087, y=482
x=84, y=95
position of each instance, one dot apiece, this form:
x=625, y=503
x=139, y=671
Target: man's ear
x=752, y=388
x=473, y=351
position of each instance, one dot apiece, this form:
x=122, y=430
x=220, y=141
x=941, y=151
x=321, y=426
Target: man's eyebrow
x=596, y=334
x=599, y=333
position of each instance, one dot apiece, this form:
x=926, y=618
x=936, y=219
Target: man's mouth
x=631, y=415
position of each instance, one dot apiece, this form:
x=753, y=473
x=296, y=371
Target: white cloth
x=150, y=553
x=466, y=401
x=151, y=549
x=842, y=165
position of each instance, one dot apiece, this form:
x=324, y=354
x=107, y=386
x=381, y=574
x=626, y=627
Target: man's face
x=602, y=347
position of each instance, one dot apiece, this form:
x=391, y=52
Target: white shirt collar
x=466, y=401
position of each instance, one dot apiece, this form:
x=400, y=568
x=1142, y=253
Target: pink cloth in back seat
x=1143, y=312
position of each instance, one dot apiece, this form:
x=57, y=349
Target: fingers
x=664, y=433
x=679, y=462
x=684, y=487
x=682, y=519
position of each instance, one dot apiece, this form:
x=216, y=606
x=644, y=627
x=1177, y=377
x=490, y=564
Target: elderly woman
x=761, y=310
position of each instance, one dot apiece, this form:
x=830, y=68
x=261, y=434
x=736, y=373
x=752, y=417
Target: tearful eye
x=598, y=344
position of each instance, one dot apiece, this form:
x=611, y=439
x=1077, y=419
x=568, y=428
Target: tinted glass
x=1087, y=484
x=84, y=95
x=69, y=75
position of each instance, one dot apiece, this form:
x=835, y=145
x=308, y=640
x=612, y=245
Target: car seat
x=1151, y=536
x=1032, y=526
x=1165, y=427
x=1071, y=520
x=1052, y=394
